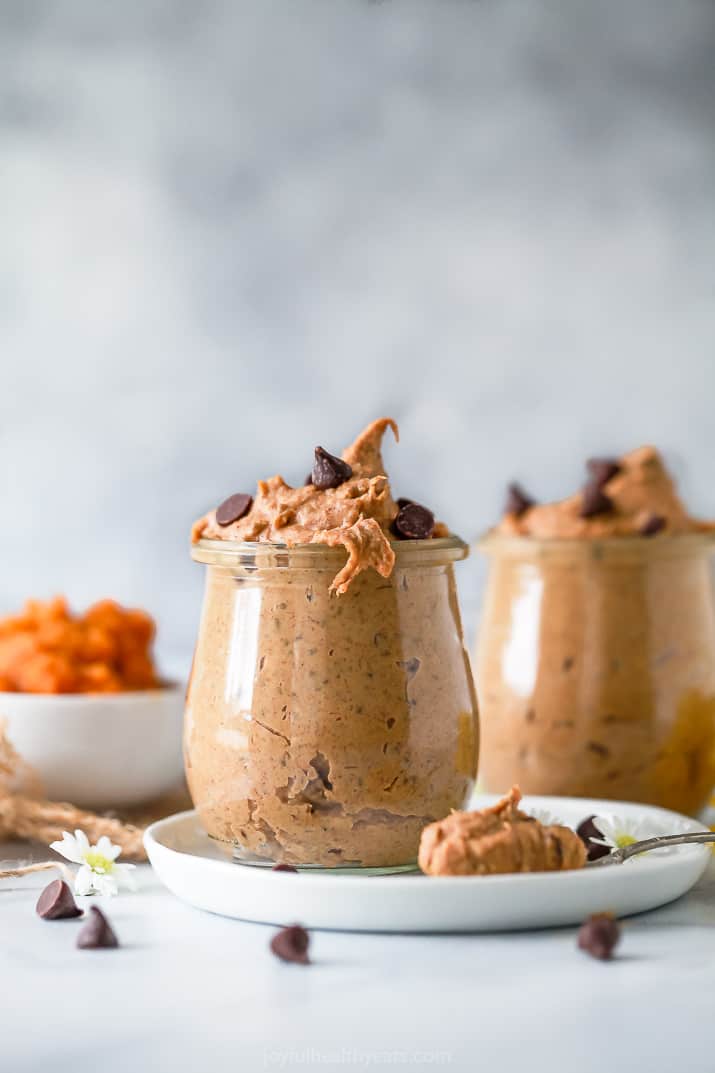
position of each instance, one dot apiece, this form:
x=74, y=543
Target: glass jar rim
x=613, y=548
x=436, y=550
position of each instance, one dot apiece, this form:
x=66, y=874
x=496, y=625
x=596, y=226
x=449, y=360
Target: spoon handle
x=618, y=856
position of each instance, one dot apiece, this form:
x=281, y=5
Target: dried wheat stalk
x=25, y=814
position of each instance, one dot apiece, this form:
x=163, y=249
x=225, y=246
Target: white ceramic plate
x=197, y=869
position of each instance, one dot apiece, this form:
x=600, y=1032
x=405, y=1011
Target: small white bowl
x=99, y=750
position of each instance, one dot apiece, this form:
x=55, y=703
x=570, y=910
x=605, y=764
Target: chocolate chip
x=414, y=522
x=587, y=832
x=97, y=932
x=594, y=501
x=599, y=935
x=329, y=471
x=517, y=500
x=602, y=470
x=57, y=902
x=291, y=944
x=233, y=508
x=284, y=868
x=654, y=525
x=308, y=480
x=402, y=502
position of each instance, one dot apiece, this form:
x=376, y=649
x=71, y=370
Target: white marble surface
x=193, y=993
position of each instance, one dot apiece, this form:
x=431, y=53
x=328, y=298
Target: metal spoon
x=623, y=853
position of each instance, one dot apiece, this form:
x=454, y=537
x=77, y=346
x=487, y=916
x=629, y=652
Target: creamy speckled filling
x=325, y=730
x=596, y=669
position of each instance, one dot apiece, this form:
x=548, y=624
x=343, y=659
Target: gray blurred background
x=232, y=230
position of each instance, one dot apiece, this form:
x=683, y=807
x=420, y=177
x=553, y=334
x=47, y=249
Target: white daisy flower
x=618, y=832
x=99, y=873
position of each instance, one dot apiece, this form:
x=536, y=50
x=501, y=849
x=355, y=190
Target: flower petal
x=106, y=885
x=84, y=881
x=82, y=841
x=107, y=848
x=608, y=826
x=68, y=848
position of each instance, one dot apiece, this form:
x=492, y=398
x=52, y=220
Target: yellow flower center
x=624, y=840
x=98, y=862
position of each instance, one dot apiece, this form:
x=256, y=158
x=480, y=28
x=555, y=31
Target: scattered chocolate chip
x=284, y=868
x=57, y=902
x=291, y=944
x=599, y=935
x=402, y=502
x=594, y=501
x=587, y=832
x=233, y=508
x=97, y=933
x=654, y=525
x=329, y=471
x=602, y=470
x=517, y=500
x=567, y=664
x=414, y=522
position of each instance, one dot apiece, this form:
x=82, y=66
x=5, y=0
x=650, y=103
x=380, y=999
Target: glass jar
x=328, y=730
x=596, y=668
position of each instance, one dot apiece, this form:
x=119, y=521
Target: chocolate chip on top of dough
x=414, y=522
x=329, y=471
x=233, y=509
x=655, y=524
x=594, y=501
x=601, y=470
x=517, y=500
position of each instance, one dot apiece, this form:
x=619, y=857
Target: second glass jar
x=596, y=668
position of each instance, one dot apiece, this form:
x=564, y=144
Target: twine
x=44, y=821
x=41, y=866
x=26, y=814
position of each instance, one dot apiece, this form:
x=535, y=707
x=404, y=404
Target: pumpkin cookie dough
x=331, y=712
x=496, y=840
x=628, y=496
x=347, y=502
